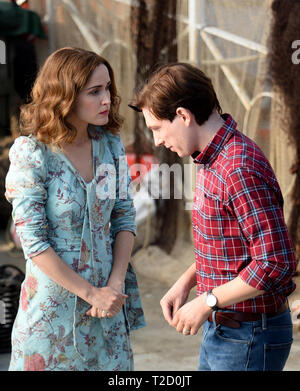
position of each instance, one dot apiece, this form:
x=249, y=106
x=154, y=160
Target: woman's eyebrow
x=98, y=86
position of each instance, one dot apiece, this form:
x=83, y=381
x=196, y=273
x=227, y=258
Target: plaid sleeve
x=259, y=212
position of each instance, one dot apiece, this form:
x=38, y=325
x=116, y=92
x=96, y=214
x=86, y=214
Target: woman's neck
x=82, y=135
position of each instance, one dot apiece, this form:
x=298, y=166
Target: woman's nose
x=106, y=97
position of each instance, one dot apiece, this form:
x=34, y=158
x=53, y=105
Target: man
x=244, y=256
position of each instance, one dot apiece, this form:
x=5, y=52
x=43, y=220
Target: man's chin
x=181, y=154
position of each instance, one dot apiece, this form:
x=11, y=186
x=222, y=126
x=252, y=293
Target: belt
x=233, y=319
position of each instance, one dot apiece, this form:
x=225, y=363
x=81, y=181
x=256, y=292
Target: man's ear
x=184, y=114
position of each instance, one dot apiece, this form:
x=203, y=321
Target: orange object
x=146, y=160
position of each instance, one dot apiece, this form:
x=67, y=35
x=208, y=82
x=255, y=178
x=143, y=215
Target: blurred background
x=236, y=43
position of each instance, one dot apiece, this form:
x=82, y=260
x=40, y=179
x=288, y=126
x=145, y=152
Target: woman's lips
x=104, y=112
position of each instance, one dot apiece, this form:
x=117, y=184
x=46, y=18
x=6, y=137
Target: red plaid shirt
x=238, y=221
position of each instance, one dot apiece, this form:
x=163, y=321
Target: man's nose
x=158, y=141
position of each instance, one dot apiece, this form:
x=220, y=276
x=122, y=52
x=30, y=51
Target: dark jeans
x=263, y=345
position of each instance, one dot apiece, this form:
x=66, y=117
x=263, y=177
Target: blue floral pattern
x=54, y=206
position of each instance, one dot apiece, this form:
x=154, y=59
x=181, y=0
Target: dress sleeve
x=25, y=190
x=258, y=208
x=123, y=213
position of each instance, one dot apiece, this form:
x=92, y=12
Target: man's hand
x=173, y=300
x=190, y=317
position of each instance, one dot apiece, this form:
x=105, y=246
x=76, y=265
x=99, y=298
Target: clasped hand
x=187, y=318
x=106, y=302
x=190, y=317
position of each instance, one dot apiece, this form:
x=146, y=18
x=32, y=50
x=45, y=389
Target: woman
x=79, y=299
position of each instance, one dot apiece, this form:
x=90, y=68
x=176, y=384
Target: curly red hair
x=61, y=78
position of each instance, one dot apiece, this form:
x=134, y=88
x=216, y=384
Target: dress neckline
x=72, y=167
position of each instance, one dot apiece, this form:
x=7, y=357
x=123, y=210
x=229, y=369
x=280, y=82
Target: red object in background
x=147, y=160
x=23, y=4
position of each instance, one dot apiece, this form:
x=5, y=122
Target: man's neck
x=208, y=130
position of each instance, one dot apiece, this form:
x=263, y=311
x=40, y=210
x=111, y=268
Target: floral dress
x=54, y=206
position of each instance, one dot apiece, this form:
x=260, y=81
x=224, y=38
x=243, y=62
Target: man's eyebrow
x=135, y=108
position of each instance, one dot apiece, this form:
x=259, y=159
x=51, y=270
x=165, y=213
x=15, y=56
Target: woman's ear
x=184, y=115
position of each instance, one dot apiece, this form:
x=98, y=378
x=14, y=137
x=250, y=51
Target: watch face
x=211, y=300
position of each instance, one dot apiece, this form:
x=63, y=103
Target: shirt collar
x=214, y=147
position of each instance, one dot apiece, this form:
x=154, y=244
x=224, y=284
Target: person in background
x=79, y=299
x=244, y=258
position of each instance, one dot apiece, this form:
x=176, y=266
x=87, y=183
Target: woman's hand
x=106, y=302
x=116, y=284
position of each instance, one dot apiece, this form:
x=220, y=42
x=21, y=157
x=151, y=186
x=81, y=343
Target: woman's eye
x=95, y=92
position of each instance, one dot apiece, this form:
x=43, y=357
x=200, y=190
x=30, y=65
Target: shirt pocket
x=214, y=220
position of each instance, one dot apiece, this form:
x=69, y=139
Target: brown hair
x=178, y=85
x=61, y=78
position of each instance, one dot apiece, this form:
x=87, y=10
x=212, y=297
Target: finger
x=120, y=298
x=118, y=302
x=114, y=308
x=194, y=330
x=176, y=307
x=110, y=314
x=107, y=314
x=176, y=318
x=167, y=310
x=186, y=331
x=195, y=327
x=120, y=294
x=113, y=311
x=180, y=326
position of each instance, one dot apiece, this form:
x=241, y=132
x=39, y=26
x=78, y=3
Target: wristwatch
x=211, y=300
